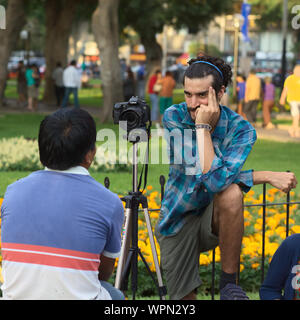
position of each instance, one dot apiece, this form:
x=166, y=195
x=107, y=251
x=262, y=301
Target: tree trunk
x=105, y=27
x=15, y=20
x=59, y=18
x=153, y=52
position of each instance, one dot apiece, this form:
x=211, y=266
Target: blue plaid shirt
x=188, y=190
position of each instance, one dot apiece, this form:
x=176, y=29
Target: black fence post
x=162, y=181
x=106, y=182
x=287, y=214
x=263, y=234
x=213, y=271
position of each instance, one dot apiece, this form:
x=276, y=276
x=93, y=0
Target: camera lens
x=132, y=118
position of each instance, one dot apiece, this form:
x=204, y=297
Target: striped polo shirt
x=55, y=227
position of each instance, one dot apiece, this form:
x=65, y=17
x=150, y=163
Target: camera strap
x=145, y=163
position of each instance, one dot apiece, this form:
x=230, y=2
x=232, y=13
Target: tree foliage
x=195, y=14
x=270, y=13
x=151, y=16
x=148, y=18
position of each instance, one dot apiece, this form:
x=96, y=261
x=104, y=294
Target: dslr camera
x=135, y=112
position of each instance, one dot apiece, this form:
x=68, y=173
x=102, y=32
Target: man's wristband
x=203, y=126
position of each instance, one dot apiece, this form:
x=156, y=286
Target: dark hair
x=130, y=74
x=73, y=63
x=201, y=70
x=65, y=137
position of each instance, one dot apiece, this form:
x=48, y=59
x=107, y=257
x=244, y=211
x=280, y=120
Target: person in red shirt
x=153, y=91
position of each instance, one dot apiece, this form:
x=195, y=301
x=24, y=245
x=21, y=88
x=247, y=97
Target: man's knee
x=230, y=198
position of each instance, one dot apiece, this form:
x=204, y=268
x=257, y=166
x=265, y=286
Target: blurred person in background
x=21, y=84
x=166, y=93
x=291, y=93
x=72, y=82
x=128, y=84
x=57, y=77
x=140, y=77
x=268, y=103
x=154, y=87
x=33, y=83
x=252, y=96
x=241, y=88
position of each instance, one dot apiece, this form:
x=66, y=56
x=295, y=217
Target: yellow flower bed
x=252, y=240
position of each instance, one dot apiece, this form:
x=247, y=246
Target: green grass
x=22, y=124
x=27, y=125
x=91, y=97
x=274, y=156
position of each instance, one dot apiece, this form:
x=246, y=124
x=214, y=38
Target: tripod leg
x=125, y=248
x=162, y=289
x=147, y=267
x=126, y=271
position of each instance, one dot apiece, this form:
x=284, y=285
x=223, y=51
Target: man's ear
x=89, y=157
x=221, y=93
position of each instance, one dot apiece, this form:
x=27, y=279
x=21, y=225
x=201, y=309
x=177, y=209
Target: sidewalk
x=279, y=133
x=13, y=107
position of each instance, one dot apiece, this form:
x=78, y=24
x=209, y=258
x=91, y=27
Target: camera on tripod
x=133, y=116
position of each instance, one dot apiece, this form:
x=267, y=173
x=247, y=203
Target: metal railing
x=264, y=205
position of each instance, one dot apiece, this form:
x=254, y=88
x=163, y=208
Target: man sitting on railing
x=203, y=201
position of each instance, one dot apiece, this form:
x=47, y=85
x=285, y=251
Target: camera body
x=135, y=112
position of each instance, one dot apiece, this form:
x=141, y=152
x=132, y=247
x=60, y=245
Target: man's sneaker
x=232, y=292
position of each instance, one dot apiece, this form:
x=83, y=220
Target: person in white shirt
x=57, y=77
x=72, y=81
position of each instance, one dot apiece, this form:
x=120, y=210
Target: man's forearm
x=284, y=181
x=260, y=177
x=106, y=268
x=205, y=149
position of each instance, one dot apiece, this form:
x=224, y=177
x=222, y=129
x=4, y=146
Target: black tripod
x=130, y=252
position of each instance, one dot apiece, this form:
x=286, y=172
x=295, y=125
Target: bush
x=21, y=154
